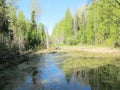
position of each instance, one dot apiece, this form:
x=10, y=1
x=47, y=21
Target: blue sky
x=51, y=10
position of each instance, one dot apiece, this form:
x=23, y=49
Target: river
x=45, y=73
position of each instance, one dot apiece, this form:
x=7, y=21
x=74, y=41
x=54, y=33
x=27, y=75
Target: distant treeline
x=97, y=23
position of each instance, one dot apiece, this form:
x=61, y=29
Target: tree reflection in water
x=105, y=78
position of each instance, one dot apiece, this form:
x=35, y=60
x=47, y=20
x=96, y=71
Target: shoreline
x=91, y=49
x=76, y=51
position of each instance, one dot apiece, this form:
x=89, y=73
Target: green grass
x=68, y=66
x=76, y=58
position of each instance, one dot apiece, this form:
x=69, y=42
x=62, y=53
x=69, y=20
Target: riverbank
x=51, y=67
x=10, y=60
x=88, y=56
x=90, y=50
x=72, y=52
x=82, y=51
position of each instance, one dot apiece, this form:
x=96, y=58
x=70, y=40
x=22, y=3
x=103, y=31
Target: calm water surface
x=45, y=73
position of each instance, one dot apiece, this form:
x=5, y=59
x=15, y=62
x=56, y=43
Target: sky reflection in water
x=51, y=77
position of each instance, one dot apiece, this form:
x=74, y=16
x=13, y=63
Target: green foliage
x=33, y=21
x=19, y=33
x=68, y=25
x=63, y=30
x=71, y=41
x=97, y=23
x=3, y=18
x=36, y=35
x=3, y=48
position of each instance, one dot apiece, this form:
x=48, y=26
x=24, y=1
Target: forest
x=82, y=52
x=97, y=23
x=16, y=32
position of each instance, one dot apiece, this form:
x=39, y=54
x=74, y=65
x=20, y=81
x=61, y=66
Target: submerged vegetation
x=80, y=57
x=100, y=72
x=91, y=66
x=85, y=45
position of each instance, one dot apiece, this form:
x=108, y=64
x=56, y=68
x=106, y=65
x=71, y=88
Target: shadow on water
x=43, y=73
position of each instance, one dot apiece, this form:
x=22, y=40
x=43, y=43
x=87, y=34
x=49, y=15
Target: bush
x=117, y=44
x=71, y=41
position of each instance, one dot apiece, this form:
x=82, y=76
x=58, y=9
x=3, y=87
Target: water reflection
x=44, y=73
x=49, y=76
x=54, y=79
x=106, y=77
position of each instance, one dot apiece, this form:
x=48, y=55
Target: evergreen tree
x=97, y=23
